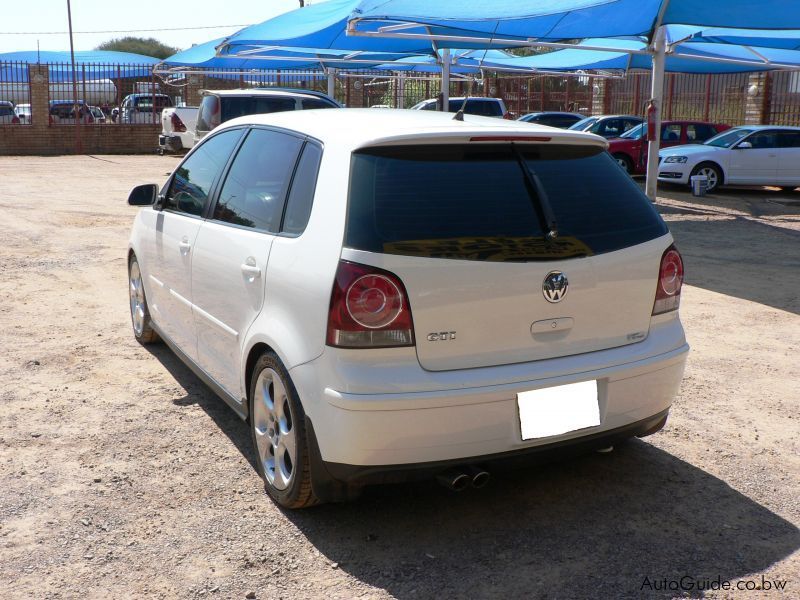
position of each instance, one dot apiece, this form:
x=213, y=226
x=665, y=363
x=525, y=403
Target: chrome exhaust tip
x=454, y=480
x=479, y=477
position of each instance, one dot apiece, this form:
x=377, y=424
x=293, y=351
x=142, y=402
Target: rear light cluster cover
x=177, y=124
x=670, y=282
x=369, y=309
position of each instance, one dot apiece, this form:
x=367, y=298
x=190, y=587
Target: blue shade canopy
x=96, y=65
x=678, y=62
x=320, y=25
x=204, y=56
x=784, y=40
x=552, y=20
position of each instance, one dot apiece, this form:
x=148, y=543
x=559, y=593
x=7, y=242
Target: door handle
x=250, y=268
x=184, y=245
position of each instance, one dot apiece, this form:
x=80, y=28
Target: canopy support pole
x=656, y=97
x=446, y=79
x=331, y=83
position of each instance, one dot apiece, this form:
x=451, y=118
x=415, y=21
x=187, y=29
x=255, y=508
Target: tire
x=140, y=315
x=624, y=162
x=278, y=432
x=710, y=170
x=788, y=189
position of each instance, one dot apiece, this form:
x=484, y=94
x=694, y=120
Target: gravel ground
x=122, y=476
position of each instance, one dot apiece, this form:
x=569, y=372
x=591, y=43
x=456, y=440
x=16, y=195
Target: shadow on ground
x=736, y=255
x=595, y=526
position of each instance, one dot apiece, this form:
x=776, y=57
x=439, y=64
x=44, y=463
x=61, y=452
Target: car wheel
x=277, y=427
x=712, y=172
x=788, y=188
x=624, y=162
x=140, y=315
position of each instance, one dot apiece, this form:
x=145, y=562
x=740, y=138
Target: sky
x=101, y=15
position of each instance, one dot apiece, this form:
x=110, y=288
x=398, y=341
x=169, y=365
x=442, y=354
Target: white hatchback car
x=749, y=155
x=387, y=295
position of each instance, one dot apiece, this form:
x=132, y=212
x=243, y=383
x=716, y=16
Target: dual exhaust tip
x=460, y=479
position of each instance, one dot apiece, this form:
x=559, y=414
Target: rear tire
x=710, y=170
x=278, y=432
x=140, y=315
x=624, y=162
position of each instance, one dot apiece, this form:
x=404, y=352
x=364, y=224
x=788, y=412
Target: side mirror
x=744, y=145
x=143, y=195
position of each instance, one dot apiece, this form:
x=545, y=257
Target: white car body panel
x=178, y=139
x=365, y=404
x=741, y=166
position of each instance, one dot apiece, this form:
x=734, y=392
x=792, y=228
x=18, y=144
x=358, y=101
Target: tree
x=136, y=45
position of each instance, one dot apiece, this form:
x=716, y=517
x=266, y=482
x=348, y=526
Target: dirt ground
x=122, y=476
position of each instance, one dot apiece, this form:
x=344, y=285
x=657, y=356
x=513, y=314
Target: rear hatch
x=465, y=227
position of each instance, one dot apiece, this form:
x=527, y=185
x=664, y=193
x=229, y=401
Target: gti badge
x=555, y=286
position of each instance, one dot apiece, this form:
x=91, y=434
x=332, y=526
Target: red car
x=630, y=149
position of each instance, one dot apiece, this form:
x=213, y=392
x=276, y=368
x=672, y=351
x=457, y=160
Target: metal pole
x=331, y=83
x=78, y=145
x=446, y=79
x=657, y=96
x=401, y=90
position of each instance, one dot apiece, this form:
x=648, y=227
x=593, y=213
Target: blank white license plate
x=556, y=410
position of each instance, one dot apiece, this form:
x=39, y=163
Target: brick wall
x=41, y=138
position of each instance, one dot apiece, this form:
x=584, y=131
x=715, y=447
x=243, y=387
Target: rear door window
x=255, y=187
x=233, y=106
x=671, y=133
x=472, y=202
x=191, y=185
x=311, y=103
x=698, y=132
x=301, y=196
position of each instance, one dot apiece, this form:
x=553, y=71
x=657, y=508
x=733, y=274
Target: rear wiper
x=539, y=199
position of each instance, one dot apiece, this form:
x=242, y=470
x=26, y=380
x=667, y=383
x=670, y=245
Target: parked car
x=98, y=114
x=177, y=129
x=374, y=322
x=66, y=112
x=484, y=107
x=218, y=107
x=749, y=155
x=139, y=108
x=630, y=149
x=23, y=111
x=7, y=114
x=562, y=120
x=607, y=126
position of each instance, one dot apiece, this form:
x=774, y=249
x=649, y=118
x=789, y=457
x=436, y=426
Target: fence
x=127, y=99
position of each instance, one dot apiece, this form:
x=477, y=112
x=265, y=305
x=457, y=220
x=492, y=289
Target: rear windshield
x=145, y=103
x=233, y=107
x=473, y=202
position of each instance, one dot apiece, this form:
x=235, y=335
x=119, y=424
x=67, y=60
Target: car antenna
x=459, y=116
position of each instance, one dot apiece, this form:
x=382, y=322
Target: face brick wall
x=41, y=138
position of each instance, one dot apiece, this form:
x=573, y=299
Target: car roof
x=7, y=103
x=762, y=127
x=361, y=127
x=266, y=92
x=554, y=112
x=462, y=98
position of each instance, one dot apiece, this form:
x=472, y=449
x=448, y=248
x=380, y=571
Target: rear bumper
x=467, y=422
x=359, y=475
x=171, y=143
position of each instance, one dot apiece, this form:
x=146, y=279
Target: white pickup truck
x=177, y=129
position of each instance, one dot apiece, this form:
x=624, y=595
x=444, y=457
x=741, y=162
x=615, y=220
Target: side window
x=191, y=184
x=697, y=132
x=256, y=185
x=789, y=139
x=208, y=114
x=309, y=103
x=301, y=196
x=671, y=133
x=610, y=128
x=630, y=124
x=764, y=139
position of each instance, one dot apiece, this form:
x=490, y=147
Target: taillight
x=369, y=309
x=89, y=118
x=670, y=281
x=177, y=124
x=15, y=120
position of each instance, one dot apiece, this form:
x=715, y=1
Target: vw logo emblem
x=555, y=286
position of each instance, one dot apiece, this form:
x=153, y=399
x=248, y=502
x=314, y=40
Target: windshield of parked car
x=636, y=133
x=474, y=202
x=584, y=124
x=728, y=138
